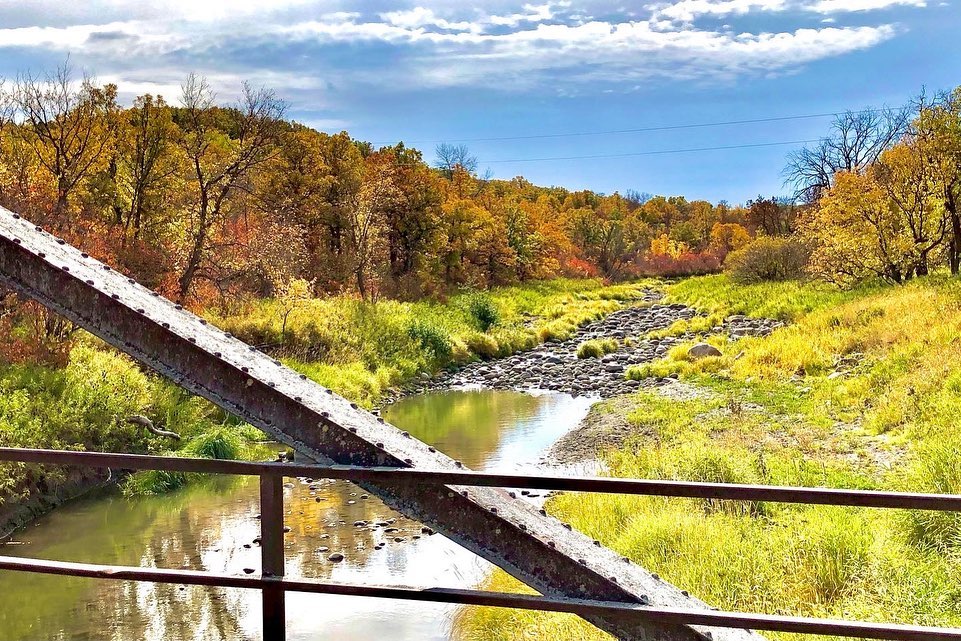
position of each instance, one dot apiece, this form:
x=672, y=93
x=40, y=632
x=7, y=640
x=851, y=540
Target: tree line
x=214, y=204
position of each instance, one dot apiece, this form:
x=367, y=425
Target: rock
x=336, y=557
x=703, y=350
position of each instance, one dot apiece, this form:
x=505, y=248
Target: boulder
x=703, y=350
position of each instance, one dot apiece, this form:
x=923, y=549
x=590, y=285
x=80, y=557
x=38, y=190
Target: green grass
x=861, y=390
x=782, y=300
x=362, y=349
x=84, y=406
x=596, y=348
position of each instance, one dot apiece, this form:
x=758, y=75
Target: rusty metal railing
x=274, y=585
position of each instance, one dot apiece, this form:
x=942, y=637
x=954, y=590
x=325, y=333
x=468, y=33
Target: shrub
x=483, y=310
x=482, y=345
x=432, y=339
x=221, y=443
x=684, y=264
x=596, y=348
x=768, y=258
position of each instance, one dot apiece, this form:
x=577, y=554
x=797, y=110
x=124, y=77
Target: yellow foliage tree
x=855, y=233
x=729, y=237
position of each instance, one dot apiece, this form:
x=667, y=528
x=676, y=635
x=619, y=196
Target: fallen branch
x=137, y=419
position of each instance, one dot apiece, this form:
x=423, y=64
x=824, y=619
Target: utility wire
x=649, y=153
x=637, y=130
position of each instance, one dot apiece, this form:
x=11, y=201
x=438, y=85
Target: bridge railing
x=274, y=584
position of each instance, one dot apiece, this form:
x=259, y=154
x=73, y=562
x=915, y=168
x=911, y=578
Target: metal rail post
x=272, y=555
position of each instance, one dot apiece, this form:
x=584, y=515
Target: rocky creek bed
x=555, y=366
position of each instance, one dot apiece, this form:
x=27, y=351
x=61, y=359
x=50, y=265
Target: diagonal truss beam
x=530, y=545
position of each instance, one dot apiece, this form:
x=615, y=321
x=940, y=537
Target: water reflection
x=212, y=526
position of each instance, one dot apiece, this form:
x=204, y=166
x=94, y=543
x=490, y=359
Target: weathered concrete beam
x=532, y=546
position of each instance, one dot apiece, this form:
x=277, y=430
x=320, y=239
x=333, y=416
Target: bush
x=483, y=310
x=596, y=348
x=484, y=346
x=685, y=264
x=222, y=443
x=432, y=339
x=768, y=258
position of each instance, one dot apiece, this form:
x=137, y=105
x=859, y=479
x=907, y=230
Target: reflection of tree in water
x=464, y=425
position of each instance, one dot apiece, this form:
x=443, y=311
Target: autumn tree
x=411, y=218
x=729, y=237
x=854, y=233
x=771, y=216
x=855, y=141
x=67, y=127
x=906, y=174
x=937, y=130
x=222, y=148
x=450, y=157
x=149, y=161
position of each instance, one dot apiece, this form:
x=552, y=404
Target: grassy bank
x=861, y=390
x=359, y=349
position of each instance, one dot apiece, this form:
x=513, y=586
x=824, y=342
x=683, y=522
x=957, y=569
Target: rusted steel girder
x=530, y=545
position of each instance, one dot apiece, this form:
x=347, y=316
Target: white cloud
x=688, y=10
x=851, y=6
x=440, y=44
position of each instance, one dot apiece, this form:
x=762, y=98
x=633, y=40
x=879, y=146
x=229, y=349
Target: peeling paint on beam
x=530, y=545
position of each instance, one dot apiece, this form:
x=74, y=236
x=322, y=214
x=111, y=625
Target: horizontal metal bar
x=677, y=616
x=604, y=485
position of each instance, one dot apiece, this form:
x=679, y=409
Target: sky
x=532, y=89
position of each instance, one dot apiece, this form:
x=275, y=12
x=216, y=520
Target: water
x=211, y=526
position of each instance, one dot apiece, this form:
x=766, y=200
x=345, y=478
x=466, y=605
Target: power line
x=650, y=153
x=699, y=125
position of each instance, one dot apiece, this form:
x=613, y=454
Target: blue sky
x=439, y=70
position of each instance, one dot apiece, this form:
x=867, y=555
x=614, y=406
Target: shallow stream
x=212, y=525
